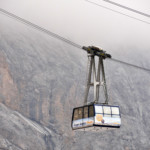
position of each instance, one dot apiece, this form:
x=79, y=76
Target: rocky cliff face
x=20, y=133
x=42, y=80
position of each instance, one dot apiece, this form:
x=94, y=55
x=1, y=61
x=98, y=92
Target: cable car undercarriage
x=96, y=114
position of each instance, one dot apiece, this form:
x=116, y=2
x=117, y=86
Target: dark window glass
x=80, y=113
x=91, y=111
x=75, y=117
x=85, y=112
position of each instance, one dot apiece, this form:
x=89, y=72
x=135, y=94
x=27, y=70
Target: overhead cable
x=58, y=36
x=117, y=12
x=52, y=34
x=128, y=8
x=128, y=64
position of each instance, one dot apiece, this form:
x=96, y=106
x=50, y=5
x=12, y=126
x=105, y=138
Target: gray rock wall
x=43, y=79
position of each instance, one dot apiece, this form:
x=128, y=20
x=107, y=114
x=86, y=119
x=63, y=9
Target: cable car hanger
x=93, y=51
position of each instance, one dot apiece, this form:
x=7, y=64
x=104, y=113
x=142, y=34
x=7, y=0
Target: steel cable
x=60, y=37
x=128, y=8
x=52, y=34
x=118, y=12
x=128, y=64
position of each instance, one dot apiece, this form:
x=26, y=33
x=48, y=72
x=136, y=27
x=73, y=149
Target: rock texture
x=42, y=79
x=20, y=133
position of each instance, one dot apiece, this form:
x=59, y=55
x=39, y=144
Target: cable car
x=96, y=115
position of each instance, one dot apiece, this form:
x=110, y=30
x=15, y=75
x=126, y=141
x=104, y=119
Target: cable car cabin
x=96, y=115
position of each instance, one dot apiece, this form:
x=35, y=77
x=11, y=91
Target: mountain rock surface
x=42, y=79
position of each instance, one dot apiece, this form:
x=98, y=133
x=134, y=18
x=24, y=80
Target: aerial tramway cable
x=89, y=1
x=128, y=64
x=128, y=8
x=52, y=34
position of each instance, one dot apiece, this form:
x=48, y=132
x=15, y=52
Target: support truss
x=98, y=75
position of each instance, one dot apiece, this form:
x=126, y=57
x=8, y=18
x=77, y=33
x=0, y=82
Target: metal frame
x=98, y=79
